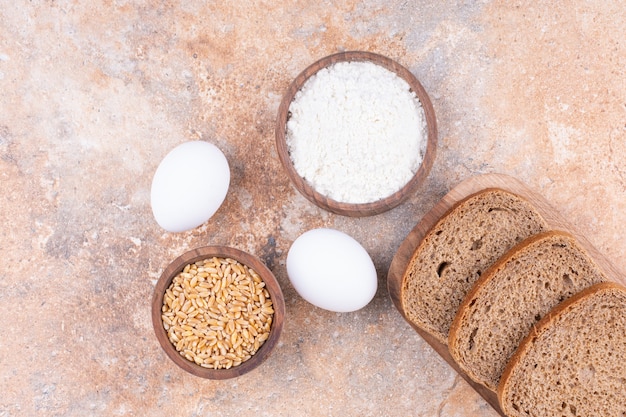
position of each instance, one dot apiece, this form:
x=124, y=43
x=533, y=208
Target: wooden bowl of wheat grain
x=217, y=312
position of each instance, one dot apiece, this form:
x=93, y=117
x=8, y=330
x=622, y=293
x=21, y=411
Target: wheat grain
x=217, y=313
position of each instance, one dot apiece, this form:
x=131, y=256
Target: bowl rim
x=271, y=283
x=356, y=209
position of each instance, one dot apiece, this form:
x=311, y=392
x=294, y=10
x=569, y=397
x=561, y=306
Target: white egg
x=189, y=186
x=331, y=270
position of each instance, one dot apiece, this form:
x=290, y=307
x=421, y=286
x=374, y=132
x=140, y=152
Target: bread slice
x=465, y=241
x=574, y=362
x=513, y=295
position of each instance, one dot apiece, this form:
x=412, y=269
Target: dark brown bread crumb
x=454, y=253
x=511, y=296
x=574, y=362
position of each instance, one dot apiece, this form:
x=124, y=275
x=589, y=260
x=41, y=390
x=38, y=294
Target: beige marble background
x=93, y=94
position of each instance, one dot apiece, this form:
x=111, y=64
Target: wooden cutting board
x=458, y=193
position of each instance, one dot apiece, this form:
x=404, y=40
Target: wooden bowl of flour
x=356, y=152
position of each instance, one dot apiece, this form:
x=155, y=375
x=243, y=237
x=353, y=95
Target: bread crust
x=528, y=342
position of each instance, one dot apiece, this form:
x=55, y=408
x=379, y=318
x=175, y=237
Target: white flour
x=356, y=132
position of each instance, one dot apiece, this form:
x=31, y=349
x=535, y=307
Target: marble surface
x=94, y=94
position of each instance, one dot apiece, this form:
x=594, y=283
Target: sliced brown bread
x=512, y=296
x=471, y=236
x=574, y=362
